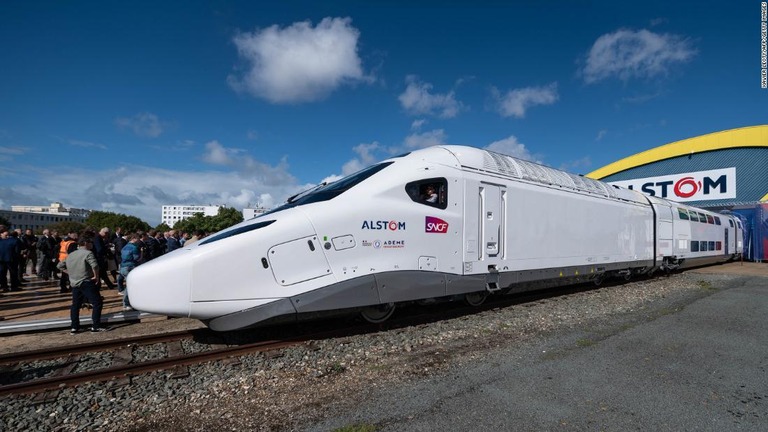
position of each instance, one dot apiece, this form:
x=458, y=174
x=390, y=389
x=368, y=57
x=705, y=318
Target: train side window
x=432, y=192
x=710, y=219
x=703, y=246
x=683, y=213
x=730, y=222
x=711, y=245
x=694, y=216
x=702, y=218
x=719, y=245
x=738, y=224
x=717, y=221
x=694, y=246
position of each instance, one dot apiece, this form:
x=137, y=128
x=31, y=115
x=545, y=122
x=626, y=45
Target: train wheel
x=598, y=280
x=476, y=298
x=379, y=313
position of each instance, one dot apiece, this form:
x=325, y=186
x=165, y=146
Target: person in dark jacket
x=172, y=243
x=10, y=250
x=103, y=252
x=46, y=246
x=30, y=241
x=119, y=241
x=21, y=254
x=149, y=245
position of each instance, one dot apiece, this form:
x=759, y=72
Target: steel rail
x=63, y=351
x=51, y=383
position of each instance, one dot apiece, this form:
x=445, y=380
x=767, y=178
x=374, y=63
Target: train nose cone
x=162, y=285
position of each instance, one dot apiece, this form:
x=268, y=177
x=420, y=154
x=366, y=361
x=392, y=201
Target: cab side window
x=432, y=192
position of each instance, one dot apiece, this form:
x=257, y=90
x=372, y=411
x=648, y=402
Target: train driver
x=430, y=194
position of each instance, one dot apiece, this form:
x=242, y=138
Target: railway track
x=45, y=372
x=62, y=369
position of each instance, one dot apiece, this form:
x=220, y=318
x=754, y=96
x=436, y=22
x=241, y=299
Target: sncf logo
x=435, y=225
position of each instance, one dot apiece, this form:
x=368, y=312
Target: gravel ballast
x=326, y=384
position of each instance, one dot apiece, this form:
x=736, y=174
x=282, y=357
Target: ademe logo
x=695, y=186
x=435, y=225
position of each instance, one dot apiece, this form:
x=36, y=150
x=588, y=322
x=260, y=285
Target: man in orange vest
x=68, y=245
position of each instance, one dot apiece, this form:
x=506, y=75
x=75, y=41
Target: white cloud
x=601, y=134
x=516, y=102
x=424, y=140
x=629, y=54
x=245, y=165
x=364, y=158
x=86, y=144
x=512, y=147
x=216, y=154
x=417, y=124
x=417, y=100
x=299, y=63
x=141, y=191
x=146, y=125
x=14, y=151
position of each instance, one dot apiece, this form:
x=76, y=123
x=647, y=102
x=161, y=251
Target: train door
x=730, y=236
x=665, y=230
x=491, y=207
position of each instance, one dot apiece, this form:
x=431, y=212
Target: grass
x=337, y=368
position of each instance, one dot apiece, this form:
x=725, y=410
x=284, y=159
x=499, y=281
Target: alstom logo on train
x=391, y=225
x=695, y=186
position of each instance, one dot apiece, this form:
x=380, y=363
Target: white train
x=443, y=222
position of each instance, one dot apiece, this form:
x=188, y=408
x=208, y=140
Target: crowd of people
x=83, y=261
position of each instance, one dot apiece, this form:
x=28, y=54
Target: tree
x=163, y=227
x=4, y=221
x=226, y=217
x=66, y=227
x=100, y=219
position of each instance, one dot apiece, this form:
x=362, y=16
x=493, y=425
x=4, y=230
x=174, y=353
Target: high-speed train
x=442, y=222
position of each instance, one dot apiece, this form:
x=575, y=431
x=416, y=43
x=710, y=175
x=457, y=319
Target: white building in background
x=38, y=217
x=175, y=213
x=250, y=213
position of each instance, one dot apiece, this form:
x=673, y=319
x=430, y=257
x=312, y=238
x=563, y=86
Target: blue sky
x=125, y=107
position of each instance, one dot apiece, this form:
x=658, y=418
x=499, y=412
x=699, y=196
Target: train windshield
x=325, y=192
x=235, y=231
